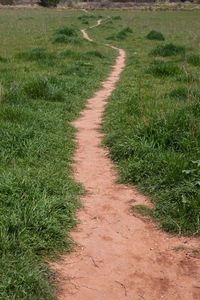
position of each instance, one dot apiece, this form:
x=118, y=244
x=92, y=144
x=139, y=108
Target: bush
x=193, y=59
x=155, y=35
x=6, y=2
x=168, y=50
x=49, y=3
x=160, y=68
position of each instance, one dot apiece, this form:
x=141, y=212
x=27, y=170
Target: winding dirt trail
x=120, y=256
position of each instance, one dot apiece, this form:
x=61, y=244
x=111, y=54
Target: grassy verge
x=47, y=71
x=152, y=120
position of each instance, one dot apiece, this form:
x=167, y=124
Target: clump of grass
x=193, y=59
x=2, y=59
x=155, y=35
x=36, y=54
x=63, y=39
x=180, y=93
x=121, y=35
x=86, y=17
x=143, y=210
x=46, y=88
x=116, y=17
x=78, y=69
x=160, y=68
x=68, y=31
x=66, y=35
x=168, y=50
x=95, y=53
x=72, y=54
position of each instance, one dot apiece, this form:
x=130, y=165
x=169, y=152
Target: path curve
x=120, y=257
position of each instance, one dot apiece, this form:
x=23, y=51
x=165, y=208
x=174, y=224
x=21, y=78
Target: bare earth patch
x=120, y=256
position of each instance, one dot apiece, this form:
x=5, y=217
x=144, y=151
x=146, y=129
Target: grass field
x=47, y=71
x=152, y=122
x=152, y=127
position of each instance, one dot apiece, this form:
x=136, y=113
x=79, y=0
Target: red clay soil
x=120, y=256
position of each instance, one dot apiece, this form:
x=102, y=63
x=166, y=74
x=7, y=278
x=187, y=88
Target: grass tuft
x=94, y=53
x=46, y=88
x=168, y=50
x=155, y=35
x=68, y=31
x=2, y=59
x=160, y=68
x=193, y=59
x=121, y=35
x=37, y=54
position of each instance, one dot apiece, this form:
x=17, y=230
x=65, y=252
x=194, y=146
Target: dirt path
x=120, y=256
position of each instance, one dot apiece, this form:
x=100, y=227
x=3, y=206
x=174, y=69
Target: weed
x=155, y=35
x=168, y=50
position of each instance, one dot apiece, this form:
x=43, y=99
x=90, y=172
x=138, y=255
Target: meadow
x=152, y=122
x=151, y=126
x=47, y=71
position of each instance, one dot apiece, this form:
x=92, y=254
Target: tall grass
x=40, y=95
x=152, y=124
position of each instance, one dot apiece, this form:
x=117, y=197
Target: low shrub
x=168, y=50
x=7, y=2
x=49, y=3
x=155, y=35
x=193, y=59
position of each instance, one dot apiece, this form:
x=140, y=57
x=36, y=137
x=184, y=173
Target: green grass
x=152, y=121
x=44, y=86
x=155, y=35
x=168, y=50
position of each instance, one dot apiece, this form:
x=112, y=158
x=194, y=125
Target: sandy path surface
x=119, y=256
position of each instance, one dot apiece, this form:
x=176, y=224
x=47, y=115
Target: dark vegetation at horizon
x=42, y=89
